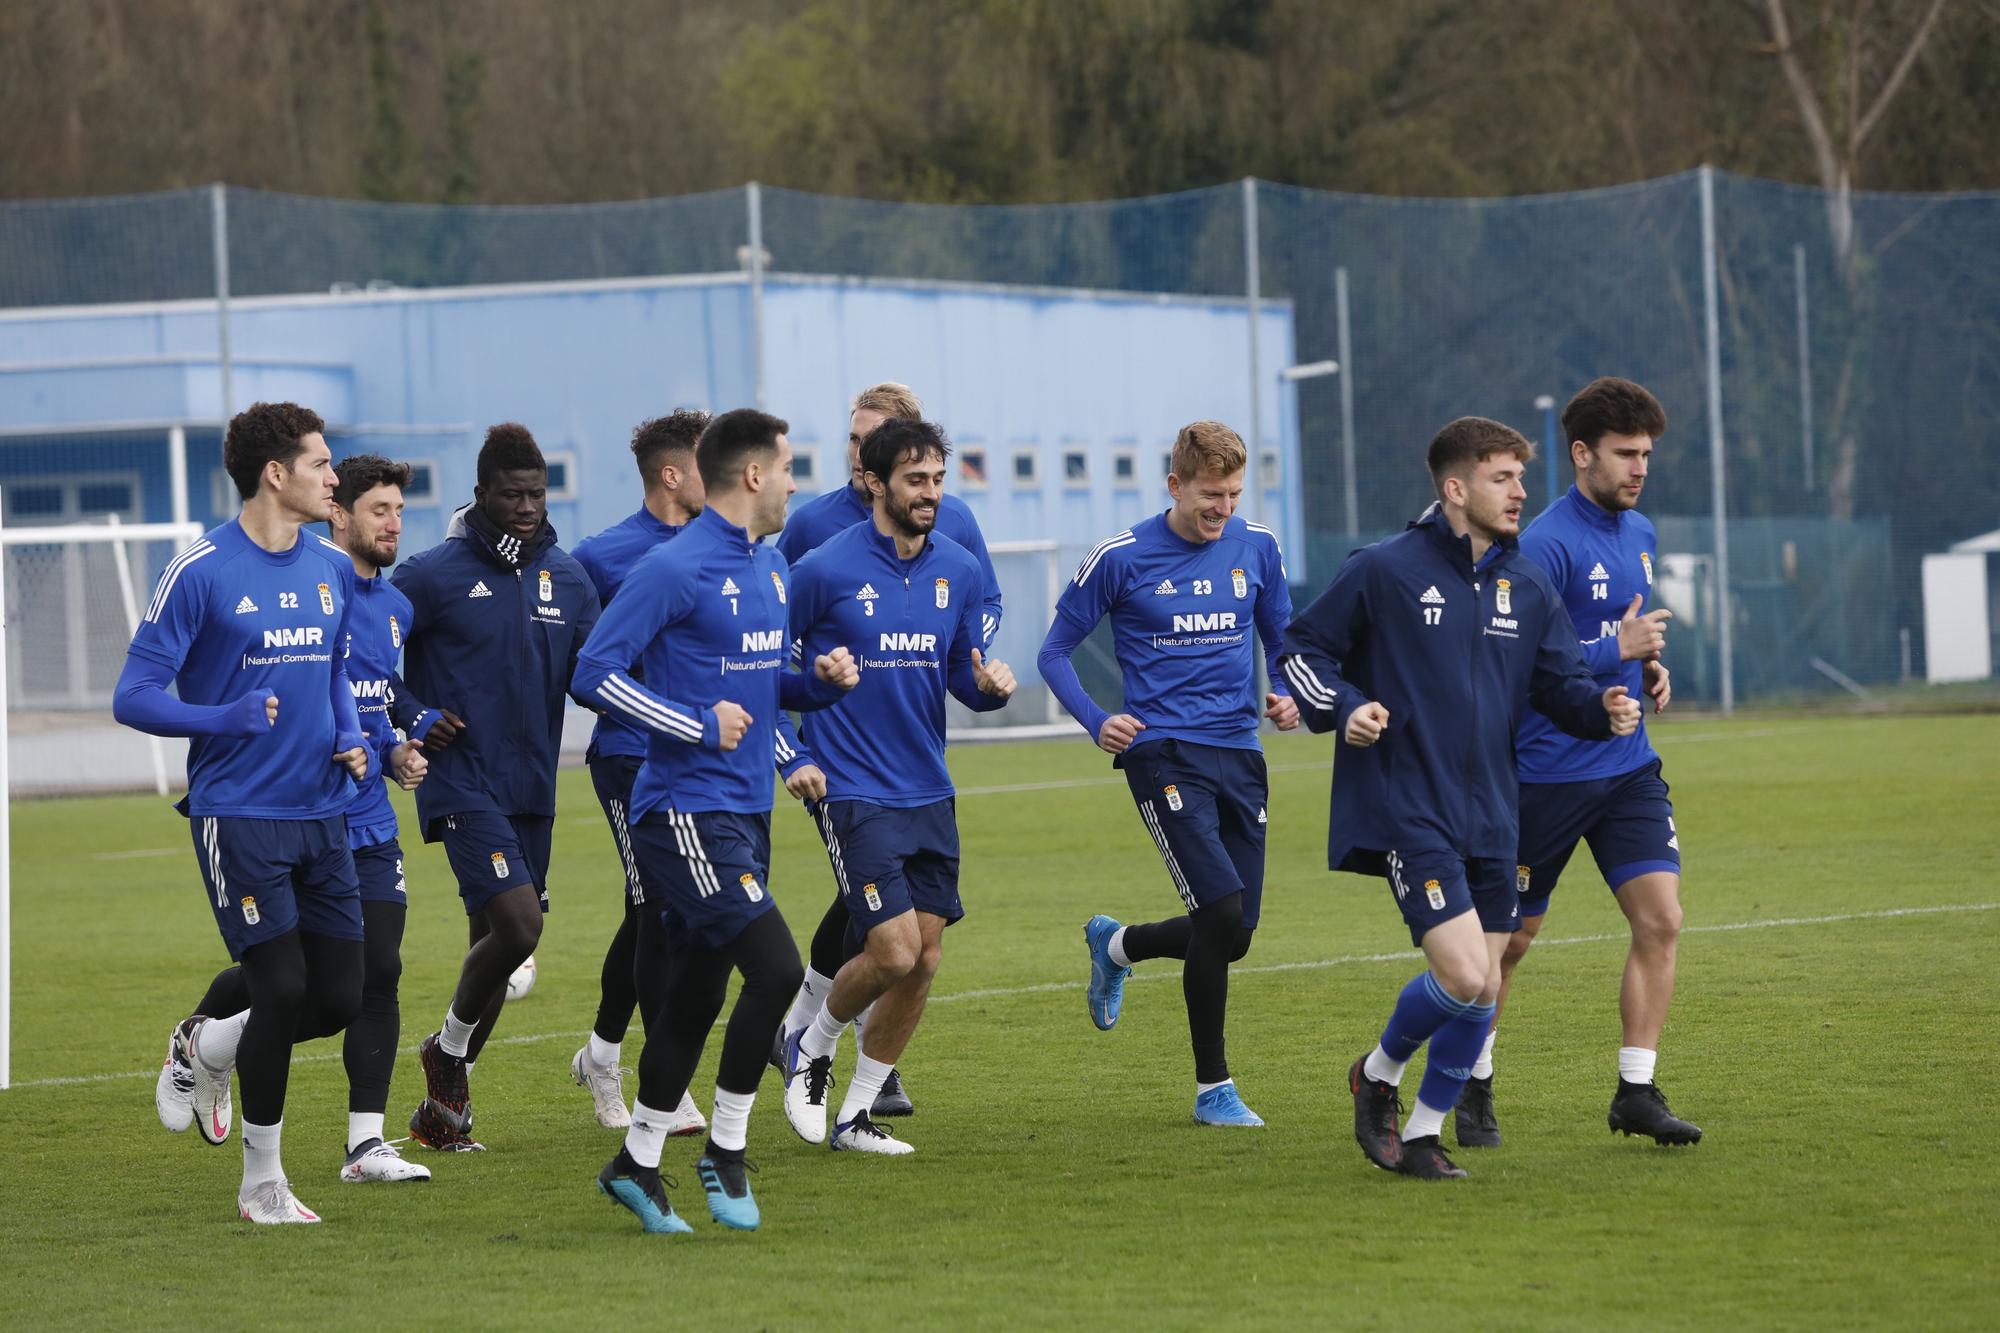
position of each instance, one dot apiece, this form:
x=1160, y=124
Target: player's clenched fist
x=1117, y=733
x=838, y=668
x=807, y=783
x=444, y=730
x=271, y=710
x=1624, y=710
x=730, y=723
x=408, y=764
x=356, y=761
x=1282, y=709
x=1642, y=637
x=995, y=678
x=1365, y=724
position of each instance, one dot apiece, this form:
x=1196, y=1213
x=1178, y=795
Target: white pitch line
x=137, y=853
x=1164, y=974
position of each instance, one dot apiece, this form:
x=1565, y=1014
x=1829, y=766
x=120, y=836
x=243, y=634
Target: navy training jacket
x=1455, y=653
x=496, y=646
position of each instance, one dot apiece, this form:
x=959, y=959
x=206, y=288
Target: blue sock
x=1453, y=1051
x=1422, y=1008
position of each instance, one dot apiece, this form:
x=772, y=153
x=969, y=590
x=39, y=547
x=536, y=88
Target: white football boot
x=862, y=1134
x=376, y=1160
x=173, y=1094
x=273, y=1204
x=607, y=1089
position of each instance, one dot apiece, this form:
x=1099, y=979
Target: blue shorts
x=889, y=860
x=706, y=874
x=269, y=877
x=1627, y=820
x=1204, y=806
x=492, y=853
x=380, y=871
x=612, y=775
x=1433, y=887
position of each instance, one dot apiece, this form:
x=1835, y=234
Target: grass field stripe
x=1157, y=974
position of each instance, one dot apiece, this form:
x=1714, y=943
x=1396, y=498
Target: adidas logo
x=1165, y=588
x=729, y=588
x=480, y=589
x=867, y=593
x=1597, y=572
x=245, y=607
x=1432, y=597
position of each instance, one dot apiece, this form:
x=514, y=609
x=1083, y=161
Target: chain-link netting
x=1858, y=345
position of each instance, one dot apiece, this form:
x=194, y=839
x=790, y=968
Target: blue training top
x=1181, y=618
x=808, y=527
x=1598, y=561
x=912, y=625
x=380, y=622
x=608, y=558
x=232, y=624
x=705, y=616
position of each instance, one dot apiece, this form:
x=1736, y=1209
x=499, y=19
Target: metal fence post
x=1805, y=367
x=1717, y=477
x=1350, y=493
x=1253, y=295
x=177, y=472
x=218, y=225
x=754, y=200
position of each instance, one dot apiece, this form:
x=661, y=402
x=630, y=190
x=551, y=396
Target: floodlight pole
x=1805, y=367
x=218, y=225
x=754, y=201
x=1253, y=296
x=1344, y=352
x=1717, y=479
x=1546, y=405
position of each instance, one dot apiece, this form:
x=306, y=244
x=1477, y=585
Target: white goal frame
x=118, y=536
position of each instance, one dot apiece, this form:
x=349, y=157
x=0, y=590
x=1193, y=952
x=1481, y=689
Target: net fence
x=1857, y=348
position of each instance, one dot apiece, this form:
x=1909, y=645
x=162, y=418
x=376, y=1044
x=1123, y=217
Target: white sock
x=1423, y=1122
x=729, y=1127
x=1200, y=1087
x=1635, y=1064
x=468, y=1067
x=1382, y=1069
x=604, y=1054
x=361, y=1127
x=647, y=1136
x=216, y=1040
x=808, y=1002
x=456, y=1034
x=861, y=1022
x=260, y=1156
x=1116, y=948
x=822, y=1038
x=862, y=1087
x=1483, y=1066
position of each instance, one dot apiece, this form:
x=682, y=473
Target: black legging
x=502, y=935
x=617, y=992
x=300, y=987
x=831, y=946
x=682, y=992
x=370, y=1048
x=1209, y=939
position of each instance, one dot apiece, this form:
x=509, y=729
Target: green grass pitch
x=1833, y=1033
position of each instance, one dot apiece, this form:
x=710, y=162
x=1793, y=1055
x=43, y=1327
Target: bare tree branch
x=1899, y=73
x=1824, y=155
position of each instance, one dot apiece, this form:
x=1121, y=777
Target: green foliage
x=1832, y=1048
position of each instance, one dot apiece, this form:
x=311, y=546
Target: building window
x=1026, y=467
x=1125, y=468
x=104, y=497
x=1166, y=464
x=972, y=469
x=1270, y=475
x=422, y=489
x=562, y=475
x=1076, y=468
x=802, y=471
x=34, y=502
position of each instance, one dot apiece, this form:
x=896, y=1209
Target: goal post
x=70, y=600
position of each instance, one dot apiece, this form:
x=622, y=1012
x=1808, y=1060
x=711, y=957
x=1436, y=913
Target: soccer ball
x=523, y=980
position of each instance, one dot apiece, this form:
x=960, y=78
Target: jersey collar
x=1590, y=511
x=885, y=546
x=734, y=538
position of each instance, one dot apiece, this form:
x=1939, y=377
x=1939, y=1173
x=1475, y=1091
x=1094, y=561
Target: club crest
x=943, y=593
x=1239, y=582
x=325, y=599
x=547, y=586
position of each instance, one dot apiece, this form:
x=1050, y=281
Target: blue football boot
x=1221, y=1106
x=625, y=1182
x=723, y=1176
x=1106, y=992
